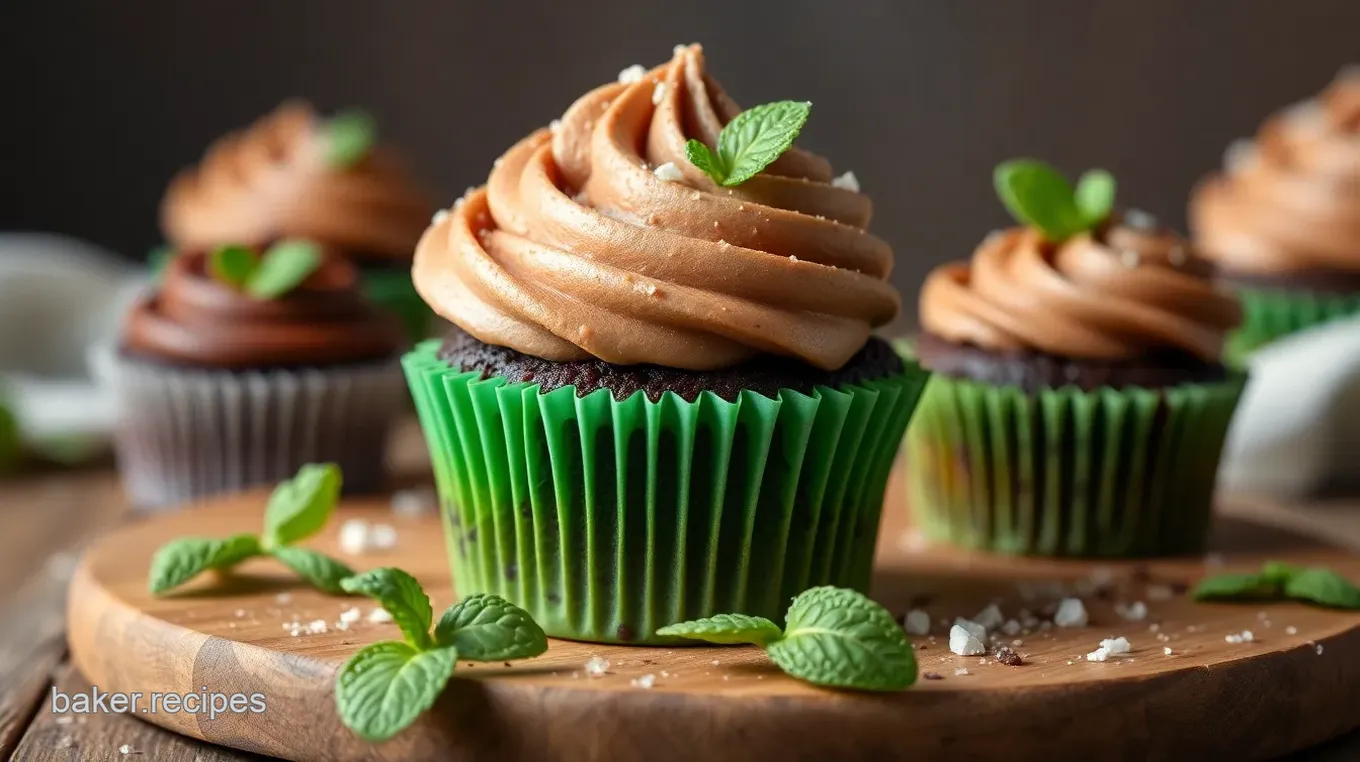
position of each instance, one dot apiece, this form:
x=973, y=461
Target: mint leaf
x=1095, y=196
x=179, y=561
x=1236, y=587
x=383, y=689
x=402, y=596
x=232, y=265
x=839, y=638
x=349, y=137
x=486, y=627
x=283, y=268
x=1323, y=587
x=726, y=629
x=301, y=506
x=757, y=136
x=1279, y=572
x=1038, y=196
x=699, y=155
x=321, y=571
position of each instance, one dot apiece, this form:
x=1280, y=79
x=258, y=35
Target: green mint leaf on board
x=1095, y=196
x=1279, y=572
x=750, y=142
x=1246, y=587
x=321, y=571
x=402, y=596
x=698, y=154
x=383, y=689
x=349, y=137
x=486, y=627
x=232, y=265
x=726, y=629
x=1323, y=587
x=301, y=506
x=181, y=560
x=839, y=638
x=1039, y=196
x=284, y=267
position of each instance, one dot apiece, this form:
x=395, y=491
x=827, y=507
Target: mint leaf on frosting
x=284, y=267
x=835, y=637
x=750, y=142
x=1039, y=196
x=232, y=264
x=349, y=137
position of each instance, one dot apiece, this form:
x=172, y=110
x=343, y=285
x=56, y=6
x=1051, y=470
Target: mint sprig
x=349, y=137
x=1281, y=581
x=297, y=509
x=750, y=142
x=1039, y=196
x=384, y=687
x=833, y=637
x=279, y=270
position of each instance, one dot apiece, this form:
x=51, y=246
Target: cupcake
x=295, y=175
x=238, y=368
x=661, y=399
x=1078, y=404
x=1283, y=219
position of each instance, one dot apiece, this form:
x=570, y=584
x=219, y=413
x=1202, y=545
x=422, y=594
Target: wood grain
x=1209, y=699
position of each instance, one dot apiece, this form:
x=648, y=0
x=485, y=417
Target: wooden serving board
x=1294, y=685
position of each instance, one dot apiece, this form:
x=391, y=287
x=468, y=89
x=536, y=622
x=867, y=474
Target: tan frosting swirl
x=576, y=248
x=1291, y=202
x=272, y=180
x=1122, y=293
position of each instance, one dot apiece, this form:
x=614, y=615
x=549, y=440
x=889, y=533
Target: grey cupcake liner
x=186, y=433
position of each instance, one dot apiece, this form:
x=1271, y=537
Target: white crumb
x=646, y=681
x=358, y=537
x=1011, y=627
x=659, y=93
x=1134, y=612
x=973, y=628
x=1244, y=636
x=439, y=216
x=379, y=616
x=847, y=181
x=597, y=666
x=1116, y=646
x=350, y=615
x=965, y=643
x=961, y=672
x=917, y=622
x=1166, y=650
x=1071, y=613
x=669, y=172
x=1100, y=654
x=1291, y=630
x=990, y=618
x=1318, y=648
x=632, y=74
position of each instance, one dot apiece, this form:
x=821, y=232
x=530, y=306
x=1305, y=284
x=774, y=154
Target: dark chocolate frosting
x=193, y=319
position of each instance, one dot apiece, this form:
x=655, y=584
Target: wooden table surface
x=48, y=516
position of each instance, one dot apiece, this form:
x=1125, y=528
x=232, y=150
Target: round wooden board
x=1293, y=686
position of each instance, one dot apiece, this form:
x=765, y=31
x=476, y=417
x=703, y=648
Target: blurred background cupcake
x=1078, y=406
x=242, y=365
x=662, y=400
x=293, y=174
x=1282, y=219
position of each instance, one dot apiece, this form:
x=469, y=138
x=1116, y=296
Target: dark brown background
x=104, y=100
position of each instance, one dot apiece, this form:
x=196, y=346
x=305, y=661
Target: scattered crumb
x=715, y=662
x=127, y=749
x=1167, y=650
x=971, y=627
x=1071, y=613
x=1134, y=612
x=1318, y=648
x=669, y=172
x=1100, y=654
x=916, y=622
x=350, y=615
x=964, y=642
x=358, y=537
x=961, y=671
x=632, y=74
x=1017, y=642
x=1244, y=636
x=932, y=675
x=1011, y=627
x=989, y=618
x=597, y=666
x=379, y=616
x=1116, y=646
x=646, y=681
x=848, y=181
x=659, y=93
x=1291, y=630
x=1007, y=655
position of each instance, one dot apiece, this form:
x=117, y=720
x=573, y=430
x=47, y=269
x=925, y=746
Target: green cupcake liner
x=608, y=519
x=1064, y=472
x=1270, y=314
x=393, y=291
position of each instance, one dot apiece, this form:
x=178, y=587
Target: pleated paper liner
x=393, y=291
x=609, y=519
x=188, y=433
x=1064, y=472
x=1270, y=314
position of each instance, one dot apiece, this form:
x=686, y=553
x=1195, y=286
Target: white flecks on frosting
x=669, y=172
x=848, y=181
x=1239, y=154
x=439, y=216
x=658, y=93
x=632, y=74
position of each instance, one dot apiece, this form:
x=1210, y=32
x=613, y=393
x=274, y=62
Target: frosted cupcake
x=293, y=174
x=662, y=400
x=1078, y=406
x=1283, y=219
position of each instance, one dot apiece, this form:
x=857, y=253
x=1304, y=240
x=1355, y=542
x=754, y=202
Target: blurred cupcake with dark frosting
x=1079, y=404
x=1282, y=219
x=244, y=364
x=294, y=174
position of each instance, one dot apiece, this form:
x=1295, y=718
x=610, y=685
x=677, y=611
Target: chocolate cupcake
x=1078, y=406
x=1283, y=219
x=295, y=175
x=238, y=369
x=662, y=400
